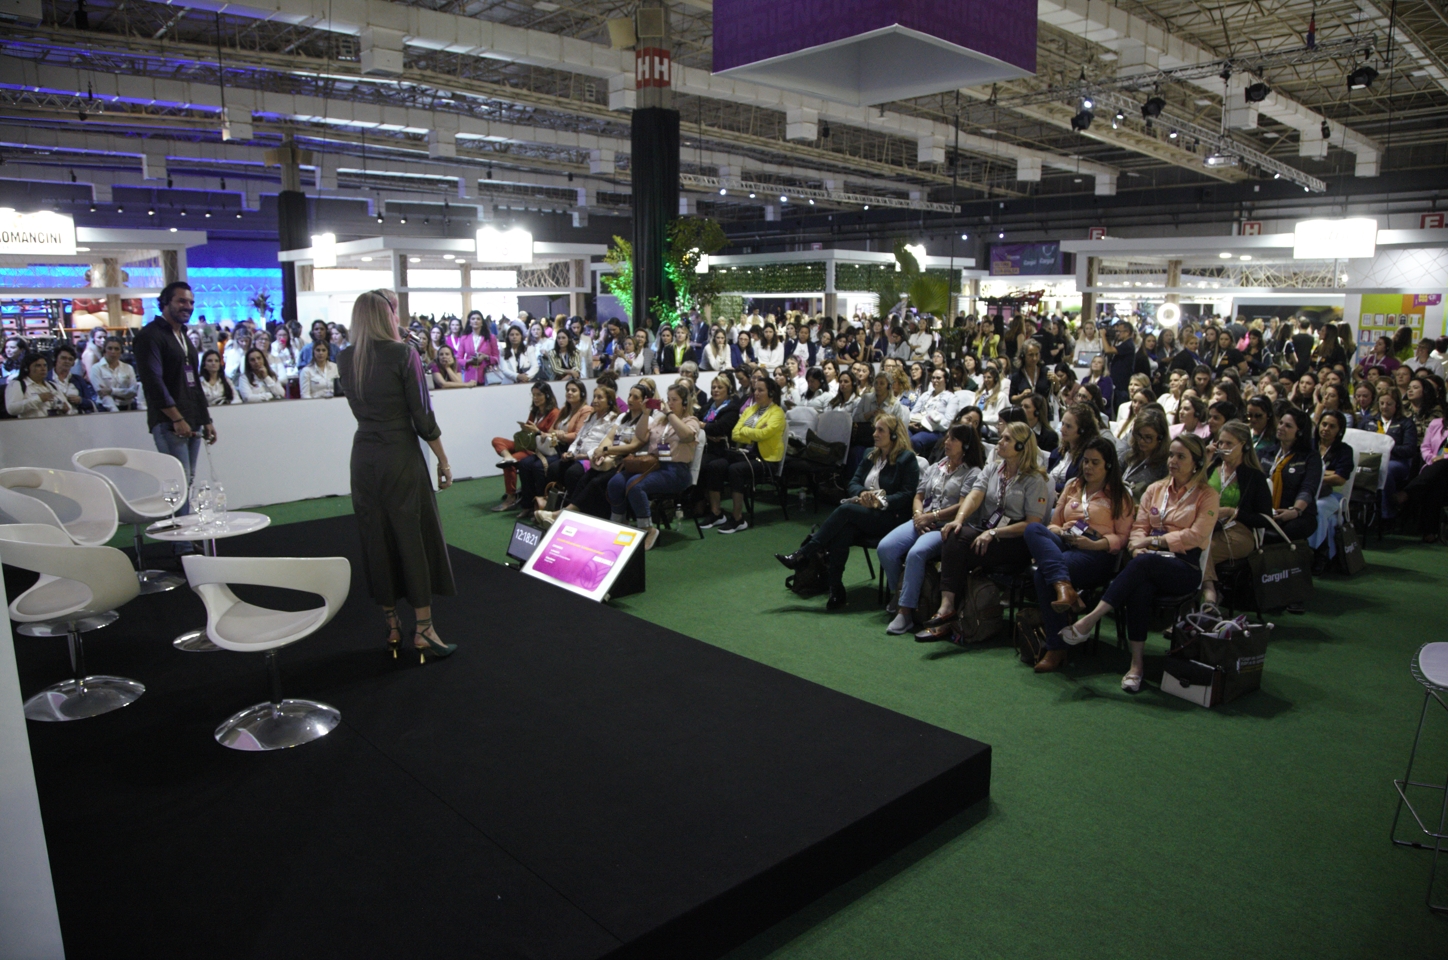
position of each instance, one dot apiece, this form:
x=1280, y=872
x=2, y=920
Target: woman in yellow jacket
x=758, y=448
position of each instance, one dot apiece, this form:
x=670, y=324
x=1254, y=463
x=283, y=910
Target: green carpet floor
x=1118, y=826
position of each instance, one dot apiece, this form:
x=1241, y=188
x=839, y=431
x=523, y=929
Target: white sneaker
x=651, y=537
x=901, y=624
x=545, y=518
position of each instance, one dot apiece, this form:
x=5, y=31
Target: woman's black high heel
x=436, y=647
x=390, y=614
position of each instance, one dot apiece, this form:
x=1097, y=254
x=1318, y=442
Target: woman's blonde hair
x=899, y=438
x=1197, y=450
x=1025, y=439
x=1242, y=433
x=373, y=322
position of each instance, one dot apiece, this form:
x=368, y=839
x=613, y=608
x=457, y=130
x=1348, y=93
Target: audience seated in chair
x=880, y=495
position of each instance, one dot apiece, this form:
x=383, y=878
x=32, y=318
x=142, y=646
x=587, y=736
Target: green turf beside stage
x=1119, y=826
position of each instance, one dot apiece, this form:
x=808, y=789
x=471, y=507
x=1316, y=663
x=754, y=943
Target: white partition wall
x=290, y=449
x=29, y=924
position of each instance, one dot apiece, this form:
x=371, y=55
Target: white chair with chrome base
x=233, y=624
x=144, y=474
x=84, y=499
x=78, y=591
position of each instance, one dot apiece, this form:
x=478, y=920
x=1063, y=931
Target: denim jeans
x=903, y=555
x=1397, y=479
x=182, y=449
x=1326, y=524
x=1082, y=568
x=924, y=441
x=670, y=477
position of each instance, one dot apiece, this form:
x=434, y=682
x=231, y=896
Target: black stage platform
x=573, y=783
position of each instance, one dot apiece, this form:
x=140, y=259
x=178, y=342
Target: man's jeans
x=184, y=450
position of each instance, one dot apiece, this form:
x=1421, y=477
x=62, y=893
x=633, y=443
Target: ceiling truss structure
x=536, y=96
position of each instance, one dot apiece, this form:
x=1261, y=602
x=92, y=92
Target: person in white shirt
x=922, y=341
x=236, y=348
x=95, y=350
x=992, y=398
x=31, y=395
x=717, y=355
x=116, y=385
x=770, y=349
x=258, y=384
x=1424, y=358
x=64, y=375
x=284, y=356
x=214, y=384
x=517, y=363
x=933, y=413
x=319, y=377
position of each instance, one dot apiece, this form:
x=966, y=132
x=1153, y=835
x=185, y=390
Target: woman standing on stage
x=403, y=550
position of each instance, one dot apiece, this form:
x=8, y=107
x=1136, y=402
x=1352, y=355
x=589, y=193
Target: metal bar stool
x=1430, y=668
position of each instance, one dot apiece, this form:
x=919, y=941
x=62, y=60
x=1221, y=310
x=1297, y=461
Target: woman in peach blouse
x=1080, y=547
x=1173, y=526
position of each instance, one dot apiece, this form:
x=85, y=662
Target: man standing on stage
x=166, y=362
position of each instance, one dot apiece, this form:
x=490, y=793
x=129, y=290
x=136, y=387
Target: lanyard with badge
x=1000, y=510
x=185, y=357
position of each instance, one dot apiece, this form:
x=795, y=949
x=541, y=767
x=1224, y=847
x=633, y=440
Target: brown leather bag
x=637, y=464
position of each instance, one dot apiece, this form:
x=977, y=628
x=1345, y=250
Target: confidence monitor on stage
x=591, y=557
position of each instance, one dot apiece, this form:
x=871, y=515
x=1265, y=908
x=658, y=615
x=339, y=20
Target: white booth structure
x=835, y=281
x=436, y=276
x=1401, y=281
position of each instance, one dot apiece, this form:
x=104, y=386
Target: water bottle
x=1157, y=528
x=218, y=505
x=801, y=498
x=201, y=503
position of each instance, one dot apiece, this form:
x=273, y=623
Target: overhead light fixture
x=1087, y=103
x=1169, y=315
x=414, y=259
x=92, y=208
x=1347, y=239
x=723, y=192
x=1245, y=257
x=448, y=256
x=1221, y=160
x=1256, y=92
x=1172, y=135
x=1001, y=235
x=504, y=246
x=1082, y=121
x=751, y=196
x=867, y=206
x=1276, y=176
x=87, y=250
x=1326, y=130
x=811, y=203
x=1152, y=108
x=207, y=215
x=379, y=218
x=173, y=229
x=401, y=219
x=1224, y=255
x=238, y=214
x=783, y=199
x=965, y=236
x=1361, y=78
x=150, y=211
x=366, y=259
x=183, y=211
x=824, y=131
x=324, y=250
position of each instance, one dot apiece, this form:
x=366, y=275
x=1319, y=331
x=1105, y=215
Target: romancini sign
x=45, y=233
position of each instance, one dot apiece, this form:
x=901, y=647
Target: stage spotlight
x=1257, y=92
x=965, y=236
x=1172, y=135
x=379, y=218
x=824, y=131
x=401, y=219
x=784, y=199
x=1087, y=103
x=1326, y=130
x=120, y=209
x=1361, y=78
x=1001, y=235
x=150, y=211
x=238, y=214
x=1152, y=108
x=208, y=214
x=183, y=211
x=751, y=196
x=867, y=206
x=92, y=208
x=1276, y=176
x=723, y=191
x=1082, y=121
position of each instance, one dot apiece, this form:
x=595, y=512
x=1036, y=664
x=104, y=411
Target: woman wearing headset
x=1173, y=525
x=989, y=524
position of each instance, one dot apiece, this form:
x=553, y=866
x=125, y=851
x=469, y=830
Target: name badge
x=663, y=450
x=190, y=376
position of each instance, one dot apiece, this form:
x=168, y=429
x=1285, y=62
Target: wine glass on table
x=171, y=493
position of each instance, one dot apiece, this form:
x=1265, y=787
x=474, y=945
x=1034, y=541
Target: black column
x=293, y=234
x=654, y=169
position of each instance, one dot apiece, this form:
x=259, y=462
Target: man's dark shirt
x=162, y=367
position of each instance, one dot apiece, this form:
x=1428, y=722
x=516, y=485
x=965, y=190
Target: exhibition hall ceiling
x=528, y=103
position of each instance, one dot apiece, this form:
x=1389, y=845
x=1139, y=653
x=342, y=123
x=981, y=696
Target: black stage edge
x=573, y=783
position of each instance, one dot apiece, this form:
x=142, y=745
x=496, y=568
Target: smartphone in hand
x=653, y=404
